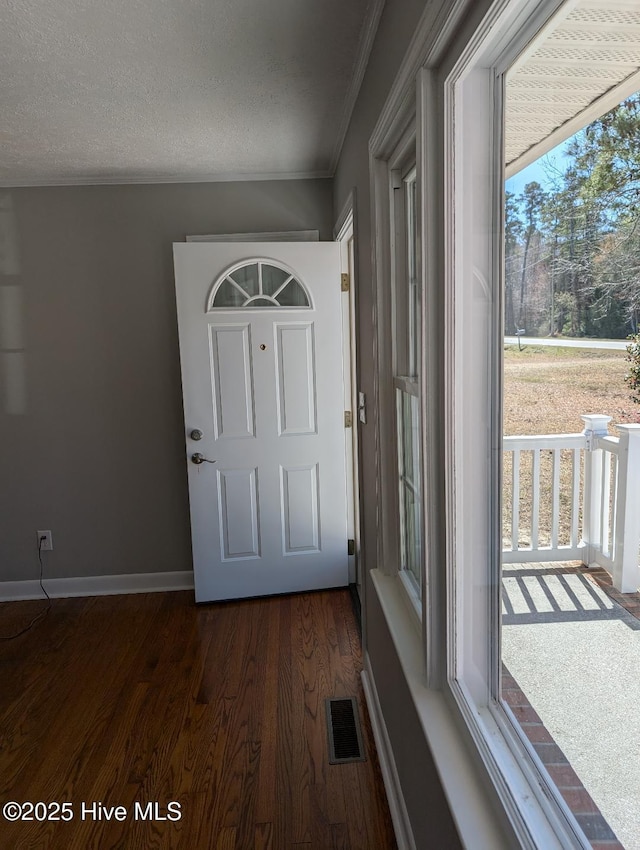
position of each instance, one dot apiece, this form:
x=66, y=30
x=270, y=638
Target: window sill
x=482, y=809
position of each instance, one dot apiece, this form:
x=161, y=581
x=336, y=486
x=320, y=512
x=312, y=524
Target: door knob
x=198, y=458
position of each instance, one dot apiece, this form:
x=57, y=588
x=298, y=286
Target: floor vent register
x=345, y=736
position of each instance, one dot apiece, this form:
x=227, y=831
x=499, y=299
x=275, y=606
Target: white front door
x=261, y=356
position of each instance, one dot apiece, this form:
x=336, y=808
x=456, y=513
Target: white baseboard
x=397, y=807
x=97, y=585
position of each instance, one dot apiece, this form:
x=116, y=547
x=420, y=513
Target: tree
x=513, y=234
x=552, y=213
x=633, y=375
x=610, y=156
x=572, y=253
x=533, y=200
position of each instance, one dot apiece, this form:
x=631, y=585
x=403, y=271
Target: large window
x=540, y=52
x=406, y=378
x=440, y=405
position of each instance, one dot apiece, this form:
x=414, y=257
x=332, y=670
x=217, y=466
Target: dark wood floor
x=148, y=698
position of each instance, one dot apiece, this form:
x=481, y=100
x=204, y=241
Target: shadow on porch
x=571, y=651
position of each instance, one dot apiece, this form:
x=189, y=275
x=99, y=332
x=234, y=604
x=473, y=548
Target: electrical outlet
x=45, y=541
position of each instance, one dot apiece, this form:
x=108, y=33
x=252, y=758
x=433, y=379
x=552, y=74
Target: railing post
x=595, y=425
x=626, y=569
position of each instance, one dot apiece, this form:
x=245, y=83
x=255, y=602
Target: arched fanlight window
x=258, y=284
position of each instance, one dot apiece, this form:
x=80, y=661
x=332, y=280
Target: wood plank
x=149, y=698
x=340, y=837
x=284, y=754
x=226, y=839
x=263, y=837
x=301, y=779
x=266, y=799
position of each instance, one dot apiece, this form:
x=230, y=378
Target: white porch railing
x=590, y=499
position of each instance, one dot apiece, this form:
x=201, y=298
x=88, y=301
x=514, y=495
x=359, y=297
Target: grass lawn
x=545, y=392
x=547, y=389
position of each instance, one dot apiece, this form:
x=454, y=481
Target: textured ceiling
x=131, y=90
x=590, y=48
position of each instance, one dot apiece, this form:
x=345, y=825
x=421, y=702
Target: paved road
x=612, y=344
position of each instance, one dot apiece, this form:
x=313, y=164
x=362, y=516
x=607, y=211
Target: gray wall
x=428, y=811
x=97, y=454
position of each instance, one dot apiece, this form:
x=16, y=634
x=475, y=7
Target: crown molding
x=437, y=25
x=141, y=179
x=363, y=52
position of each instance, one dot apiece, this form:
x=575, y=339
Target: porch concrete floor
x=575, y=653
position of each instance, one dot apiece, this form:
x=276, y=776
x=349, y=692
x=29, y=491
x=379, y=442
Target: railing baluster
x=610, y=527
x=614, y=496
x=555, y=514
x=575, y=497
x=583, y=538
x=595, y=430
x=515, y=499
x=626, y=574
x=606, y=498
x=535, y=507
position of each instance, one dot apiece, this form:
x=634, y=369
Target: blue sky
x=541, y=170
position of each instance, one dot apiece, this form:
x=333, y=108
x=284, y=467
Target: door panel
x=264, y=385
x=300, y=516
x=238, y=505
x=230, y=358
x=295, y=379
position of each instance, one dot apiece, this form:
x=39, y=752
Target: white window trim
x=402, y=169
x=474, y=804
x=406, y=126
x=389, y=156
x=474, y=200
x=492, y=778
x=382, y=162
x=413, y=99
x=431, y=375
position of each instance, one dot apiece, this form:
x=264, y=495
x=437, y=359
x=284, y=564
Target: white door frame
x=263, y=236
x=345, y=234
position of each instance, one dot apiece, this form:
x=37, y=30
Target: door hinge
x=348, y=419
x=351, y=547
x=344, y=282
